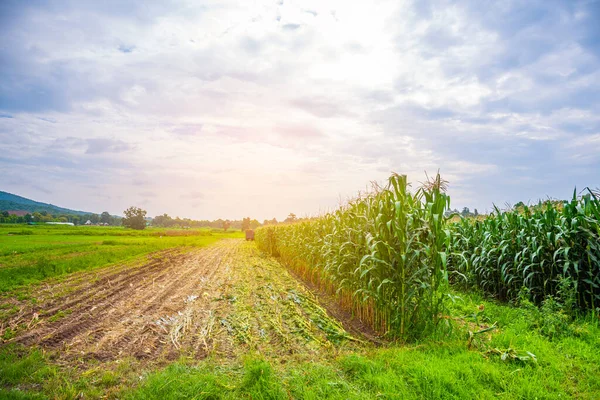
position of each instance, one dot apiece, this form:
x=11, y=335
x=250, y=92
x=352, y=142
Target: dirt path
x=224, y=299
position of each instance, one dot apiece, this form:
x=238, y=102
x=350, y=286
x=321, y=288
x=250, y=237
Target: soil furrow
x=117, y=314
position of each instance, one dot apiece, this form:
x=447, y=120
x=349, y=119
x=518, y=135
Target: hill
x=13, y=202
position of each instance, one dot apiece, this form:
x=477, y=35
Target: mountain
x=13, y=202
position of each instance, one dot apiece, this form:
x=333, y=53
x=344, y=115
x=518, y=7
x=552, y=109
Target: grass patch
x=256, y=379
x=59, y=315
x=22, y=232
x=18, y=366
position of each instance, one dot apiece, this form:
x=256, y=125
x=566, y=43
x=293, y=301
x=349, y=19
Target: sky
x=224, y=109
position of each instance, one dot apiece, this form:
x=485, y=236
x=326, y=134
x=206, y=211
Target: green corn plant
x=383, y=255
x=535, y=248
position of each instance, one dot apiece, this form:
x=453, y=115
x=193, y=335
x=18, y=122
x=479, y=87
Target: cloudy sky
x=227, y=109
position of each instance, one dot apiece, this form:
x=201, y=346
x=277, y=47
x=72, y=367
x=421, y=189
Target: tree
x=245, y=224
x=163, y=220
x=105, y=217
x=226, y=225
x=134, y=218
x=291, y=218
x=465, y=212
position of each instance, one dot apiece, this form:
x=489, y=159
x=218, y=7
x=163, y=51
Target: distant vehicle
x=249, y=234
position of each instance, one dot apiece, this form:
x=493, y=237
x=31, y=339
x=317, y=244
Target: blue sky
x=219, y=109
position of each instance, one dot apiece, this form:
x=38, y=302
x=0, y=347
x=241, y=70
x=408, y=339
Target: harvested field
x=223, y=299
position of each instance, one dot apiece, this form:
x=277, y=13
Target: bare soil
x=141, y=311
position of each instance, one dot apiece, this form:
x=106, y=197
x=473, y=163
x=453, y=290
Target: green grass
x=47, y=251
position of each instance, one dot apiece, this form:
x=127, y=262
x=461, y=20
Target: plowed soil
x=141, y=311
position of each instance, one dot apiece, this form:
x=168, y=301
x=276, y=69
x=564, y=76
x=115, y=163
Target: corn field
x=387, y=256
x=533, y=248
x=382, y=255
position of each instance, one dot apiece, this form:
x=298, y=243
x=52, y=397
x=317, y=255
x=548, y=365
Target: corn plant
x=383, y=255
x=535, y=248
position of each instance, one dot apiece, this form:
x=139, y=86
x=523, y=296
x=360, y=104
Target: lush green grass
x=30, y=254
x=444, y=367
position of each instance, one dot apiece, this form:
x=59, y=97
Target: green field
x=29, y=254
x=254, y=332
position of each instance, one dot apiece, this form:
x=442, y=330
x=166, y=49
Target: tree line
x=44, y=216
x=165, y=221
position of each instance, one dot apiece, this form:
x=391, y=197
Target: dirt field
x=223, y=300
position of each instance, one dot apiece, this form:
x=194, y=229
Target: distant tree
x=163, y=221
x=475, y=212
x=105, y=217
x=226, y=225
x=254, y=224
x=134, y=218
x=291, y=218
x=465, y=212
x=245, y=224
x=28, y=218
x=5, y=214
